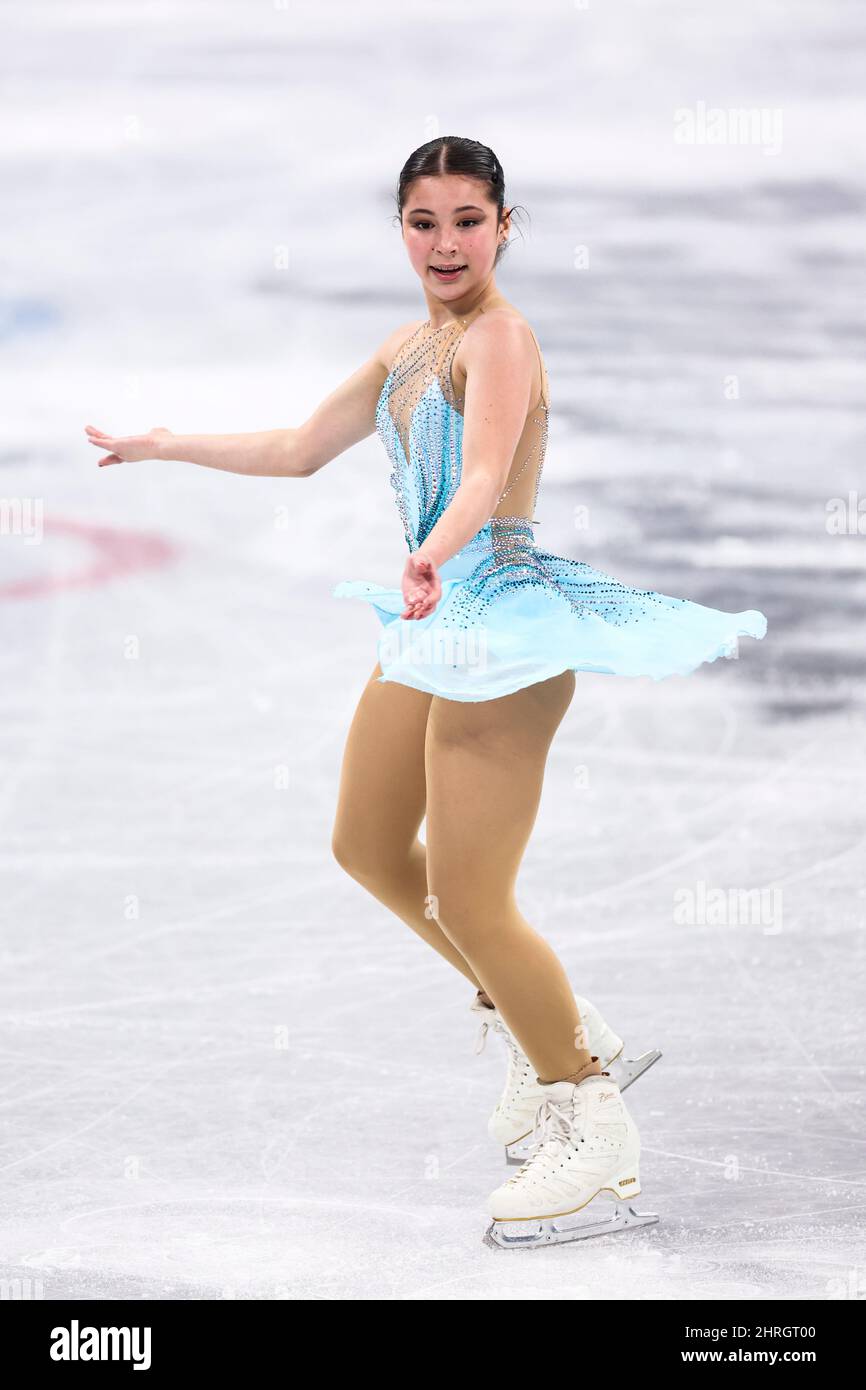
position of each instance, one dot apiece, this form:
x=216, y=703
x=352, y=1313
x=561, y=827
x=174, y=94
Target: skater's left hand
x=421, y=586
x=133, y=448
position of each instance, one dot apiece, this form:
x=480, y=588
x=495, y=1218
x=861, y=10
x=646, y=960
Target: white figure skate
x=512, y=1120
x=582, y=1175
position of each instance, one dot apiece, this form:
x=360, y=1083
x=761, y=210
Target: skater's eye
x=464, y=222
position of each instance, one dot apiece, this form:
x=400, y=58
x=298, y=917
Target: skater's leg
x=484, y=773
x=381, y=806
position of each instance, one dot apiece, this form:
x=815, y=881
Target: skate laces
x=553, y=1128
x=498, y=1025
x=517, y=1062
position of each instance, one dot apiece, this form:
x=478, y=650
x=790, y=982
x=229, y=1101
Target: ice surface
x=227, y=1071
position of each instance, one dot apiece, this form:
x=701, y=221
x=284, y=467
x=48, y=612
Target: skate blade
x=519, y=1151
x=625, y=1070
x=557, y=1230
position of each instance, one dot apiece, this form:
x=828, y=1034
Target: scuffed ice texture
x=259, y=1084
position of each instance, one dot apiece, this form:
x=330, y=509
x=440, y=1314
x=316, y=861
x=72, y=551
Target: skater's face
x=449, y=220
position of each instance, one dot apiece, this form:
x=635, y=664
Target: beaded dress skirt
x=511, y=613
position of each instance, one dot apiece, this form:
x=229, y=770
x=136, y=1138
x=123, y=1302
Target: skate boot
x=512, y=1120
x=582, y=1174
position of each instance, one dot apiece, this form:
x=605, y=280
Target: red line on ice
x=113, y=553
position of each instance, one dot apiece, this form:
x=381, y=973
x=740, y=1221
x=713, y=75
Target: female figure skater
x=476, y=669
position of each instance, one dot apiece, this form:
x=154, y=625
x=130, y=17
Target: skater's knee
x=469, y=919
x=365, y=861
x=349, y=854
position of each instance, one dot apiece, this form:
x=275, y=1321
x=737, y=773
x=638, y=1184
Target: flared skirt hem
x=528, y=639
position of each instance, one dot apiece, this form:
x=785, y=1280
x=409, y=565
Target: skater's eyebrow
x=467, y=207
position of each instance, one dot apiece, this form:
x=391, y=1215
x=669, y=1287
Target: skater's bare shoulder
x=348, y=414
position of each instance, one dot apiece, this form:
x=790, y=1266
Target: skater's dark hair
x=452, y=154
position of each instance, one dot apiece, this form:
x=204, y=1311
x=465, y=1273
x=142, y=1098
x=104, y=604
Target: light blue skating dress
x=510, y=613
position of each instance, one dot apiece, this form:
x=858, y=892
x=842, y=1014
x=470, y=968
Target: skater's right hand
x=421, y=586
x=132, y=449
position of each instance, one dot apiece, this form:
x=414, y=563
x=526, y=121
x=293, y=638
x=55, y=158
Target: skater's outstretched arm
x=344, y=418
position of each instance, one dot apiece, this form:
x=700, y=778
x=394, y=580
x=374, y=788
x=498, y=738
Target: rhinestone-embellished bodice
x=419, y=417
x=511, y=613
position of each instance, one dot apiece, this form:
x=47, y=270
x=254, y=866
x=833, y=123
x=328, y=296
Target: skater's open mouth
x=447, y=272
